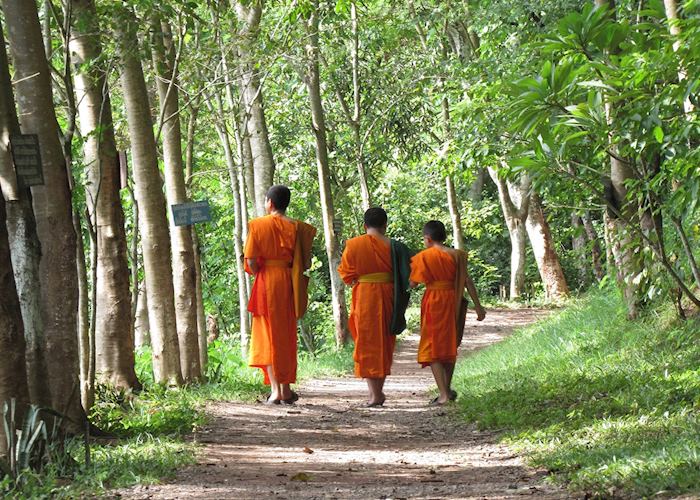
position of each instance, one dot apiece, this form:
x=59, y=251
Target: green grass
x=151, y=428
x=611, y=406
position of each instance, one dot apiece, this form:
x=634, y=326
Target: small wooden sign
x=186, y=214
x=26, y=155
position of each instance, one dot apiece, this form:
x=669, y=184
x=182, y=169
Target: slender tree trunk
x=184, y=273
x=319, y=128
x=24, y=242
x=453, y=205
x=596, y=253
x=543, y=247
x=141, y=326
x=114, y=344
x=477, y=186
x=578, y=245
x=249, y=14
x=13, y=369
x=238, y=220
x=52, y=206
x=153, y=224
x=356, y=120
x=515, y=201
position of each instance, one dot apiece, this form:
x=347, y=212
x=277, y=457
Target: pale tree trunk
x=52, y=207
x=356, y=121
x=543, y=247
x=13, y=369
x=233, y=170
x=453, y=206
x=249, y=14
x=196, y=248
x=627, y=263
x=114, y=344
x=141, y=327
x=319, y=129
x=184, y=273
x=25, y=249
x=477, y=186
x=515, y=202
x=578, y=245
x=671, y=7
x=153, y=224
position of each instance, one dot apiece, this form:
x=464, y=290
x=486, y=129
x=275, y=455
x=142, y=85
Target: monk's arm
x=413, y=284
x=471, y=289
x=253, y=266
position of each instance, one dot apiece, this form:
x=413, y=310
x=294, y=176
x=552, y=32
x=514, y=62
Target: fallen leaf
x=308, y=450
x=301, y=476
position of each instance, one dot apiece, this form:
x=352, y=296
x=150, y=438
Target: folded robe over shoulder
x=401, y=263
x=300, y=263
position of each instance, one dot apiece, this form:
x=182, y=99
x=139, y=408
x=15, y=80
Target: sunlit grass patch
x=610, y=405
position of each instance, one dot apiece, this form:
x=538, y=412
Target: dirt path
x=328, y=446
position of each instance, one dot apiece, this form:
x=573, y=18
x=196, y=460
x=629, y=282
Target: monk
x=366, y=267
x=437, y=268
x=272, y=254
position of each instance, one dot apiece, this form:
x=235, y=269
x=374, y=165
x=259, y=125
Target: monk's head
x=277, y=199
x=434, y=233
x=376, y=218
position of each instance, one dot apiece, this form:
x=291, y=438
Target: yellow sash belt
x=376, y=278
x=440, y=285
x=277, y=263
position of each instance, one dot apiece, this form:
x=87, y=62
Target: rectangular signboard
x=186, y=214
x=26, y=156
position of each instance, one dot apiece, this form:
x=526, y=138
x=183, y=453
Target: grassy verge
x=151, y=428
x=611, y=406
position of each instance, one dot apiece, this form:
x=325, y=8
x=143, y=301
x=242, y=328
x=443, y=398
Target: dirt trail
x=328, y=446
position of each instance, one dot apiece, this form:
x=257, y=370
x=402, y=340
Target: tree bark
x=184, y=273
x=515, y=202
x=249, y=14
x=153, y=224
x=25, y=249
x=477, y=186
x=453, y=205
x=578, y=245
x=13, y=369
x=543, y=247
x=356, y=120
x=238, y=225
x=52, y=207
x=114, y=344
x=312, y=81
x=141, y=327
x=596, y=252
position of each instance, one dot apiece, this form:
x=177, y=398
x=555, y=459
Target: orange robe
x=273, y=339
x=372, y=305
x=438, y=330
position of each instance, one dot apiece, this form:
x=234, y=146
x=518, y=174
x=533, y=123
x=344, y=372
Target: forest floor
x=328, y=445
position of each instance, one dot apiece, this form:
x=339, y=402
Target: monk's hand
x=480, y=313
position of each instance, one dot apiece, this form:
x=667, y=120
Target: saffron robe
x=273, y=339
x=438, y=328
x=372, y=305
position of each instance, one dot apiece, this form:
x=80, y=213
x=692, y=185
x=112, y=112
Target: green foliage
x=610, y=405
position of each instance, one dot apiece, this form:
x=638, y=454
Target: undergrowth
x=610, y=406
x=148, y=431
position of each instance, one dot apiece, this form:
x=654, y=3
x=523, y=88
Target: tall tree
x=249, y=15
x=515, y=201
x=25, y=248
x=318, y=122
x=153, y=224
x=543, y=247
x=184, y=272
x=52, y=207
x=114, y=343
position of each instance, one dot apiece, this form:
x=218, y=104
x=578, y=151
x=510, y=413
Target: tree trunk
x=238, y=225
x=671, y=8
x=477, y=186
x=25, y=249
x=319, y=128
x=515, y=201
x=578, y=245
x=13, y=369
x=543, y=247
x=453, y=205
x=114, y=344
x=357, y=110
x=249, y=14
x=52, y=207
x=184, y=273
x=596, y=253
x=153, y=224
x=141, y=327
